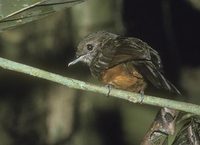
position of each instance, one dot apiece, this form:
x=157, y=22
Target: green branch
x=132, y=97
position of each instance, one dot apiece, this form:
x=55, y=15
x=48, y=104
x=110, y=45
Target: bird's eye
x=89, y=47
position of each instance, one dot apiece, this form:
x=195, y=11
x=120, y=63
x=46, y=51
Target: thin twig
x=76, y=84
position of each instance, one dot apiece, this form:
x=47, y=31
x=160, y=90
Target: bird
x=130, y=64
x=125, y=63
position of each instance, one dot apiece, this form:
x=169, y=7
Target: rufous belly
x=124, y=77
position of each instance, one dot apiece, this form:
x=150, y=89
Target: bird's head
x=90, y=46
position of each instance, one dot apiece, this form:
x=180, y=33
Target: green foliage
x=14, y=12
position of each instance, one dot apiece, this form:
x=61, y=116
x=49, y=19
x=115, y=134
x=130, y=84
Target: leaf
x=189, y=134
x=17, y=12
x=162, y=127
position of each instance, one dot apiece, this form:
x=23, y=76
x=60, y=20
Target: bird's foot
x=109, y=86
x=142, y=96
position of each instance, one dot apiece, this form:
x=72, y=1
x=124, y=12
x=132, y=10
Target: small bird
x=130, y=64
x=123, y=62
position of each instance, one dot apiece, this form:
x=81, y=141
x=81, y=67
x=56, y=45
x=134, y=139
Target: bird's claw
x=109, y=89
x=142, y=96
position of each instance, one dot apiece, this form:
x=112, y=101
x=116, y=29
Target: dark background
x=38, y=112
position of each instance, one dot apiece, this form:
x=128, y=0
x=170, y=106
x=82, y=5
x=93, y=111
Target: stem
x=76, y=84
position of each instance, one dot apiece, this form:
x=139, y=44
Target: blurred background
x=38, y=112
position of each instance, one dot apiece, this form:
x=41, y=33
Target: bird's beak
x=78, y=59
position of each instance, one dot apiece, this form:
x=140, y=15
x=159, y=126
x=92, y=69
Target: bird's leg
x=109, y=86
x=142, y=96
